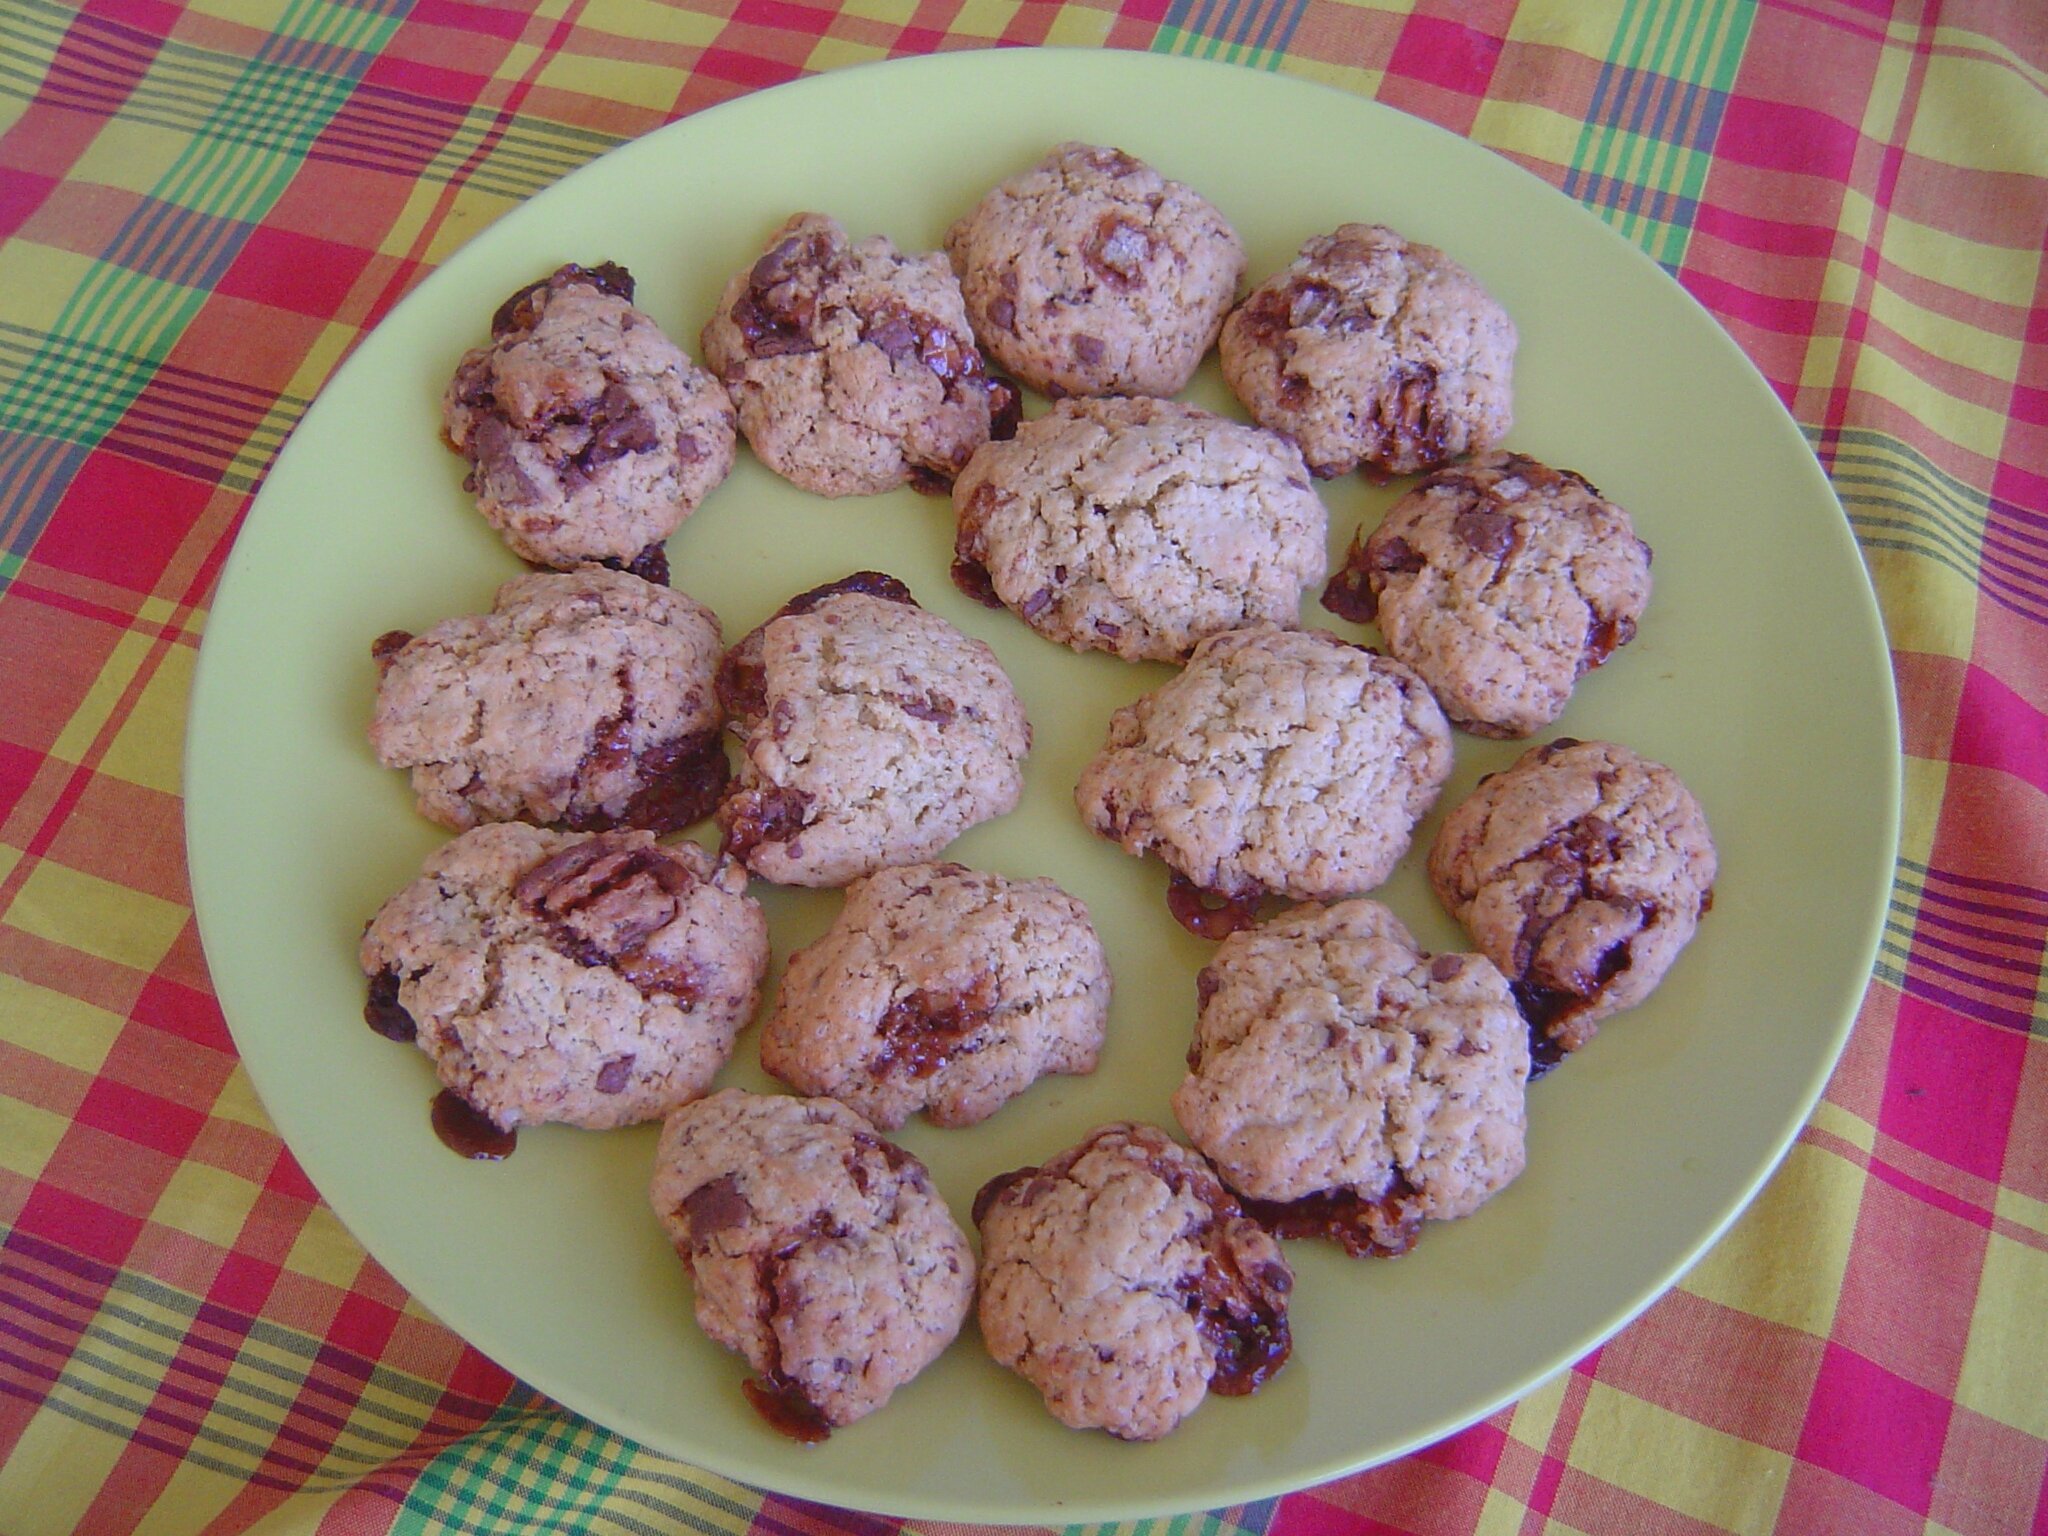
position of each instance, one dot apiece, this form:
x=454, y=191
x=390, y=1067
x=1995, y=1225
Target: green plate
x=1760, y=674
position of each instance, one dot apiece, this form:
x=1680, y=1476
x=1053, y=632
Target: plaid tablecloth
x=202, y=206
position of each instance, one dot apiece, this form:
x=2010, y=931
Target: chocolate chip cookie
x=1503, y=582
x=1092, y=274
x=1125, y=1283
x=819, y=1252
x=852, y=365
x=1369, y=349
x=584, y=698
x=1581, y=872
x=944, y=989
x=1349, y=1085
x=871, y=733
x=1283, y=761
x=1139, y=526
x=590, y=436
x=594, y=980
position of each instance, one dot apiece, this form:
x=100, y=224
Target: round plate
x=1760, y=674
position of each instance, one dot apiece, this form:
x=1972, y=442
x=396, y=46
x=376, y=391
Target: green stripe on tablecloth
x=189, y=90
x=232, y=186
x=1254, y=33
x=1902, y=499
x=1648, y=140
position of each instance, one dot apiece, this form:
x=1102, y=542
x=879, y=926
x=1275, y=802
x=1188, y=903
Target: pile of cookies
x=558, y=962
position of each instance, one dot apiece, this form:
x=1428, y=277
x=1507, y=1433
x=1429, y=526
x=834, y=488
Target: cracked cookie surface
x=594, y=980
x=871, y=733
x=1350, y=1085
x=1581, y=871
x=1124, y=1282
x=1284, y=761
x=1092, y=274
x=583, y=697
x=852, y=365
x=1140, y=526
x=819, y=1252
x=1372, y=349
x=943, y=989
x=589, y=434
x=1502, y=581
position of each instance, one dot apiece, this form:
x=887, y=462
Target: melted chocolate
x=787, y=1411
x=923, y=1031
x=467, y=1131
x=1210, y=914
x=1384, y=1228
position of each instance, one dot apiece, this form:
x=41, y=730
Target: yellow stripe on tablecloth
x=96, y=916
x=1678, y=1462
x=1527, y=128
x=149, y=748
x=57, y=1465
x=2022, y=1210
x=653, y=22
x=207, y=1203
x=133, y=156
x=54, y=1024
x=651, y=87
x=1967, y=108
x=1809, y=1208
x=29, y=1134
x=2002, y=1377
x=1977, y=429
x=2000, y=273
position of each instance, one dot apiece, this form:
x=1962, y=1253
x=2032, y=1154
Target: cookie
x=819, y=1252
x=1125, y=1283
x=852, y=365
x=1282, y=761
x=943, y=989
x=1371, y=349
x=590, y=436
x=584, y=698
x=1092, y=274
x=871, y=733
x=1503, y=582
x=1139, y=526
x=593, y=980
x=1581, y=872
x=1350, y=1085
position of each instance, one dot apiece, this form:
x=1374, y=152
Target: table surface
x=202, y=207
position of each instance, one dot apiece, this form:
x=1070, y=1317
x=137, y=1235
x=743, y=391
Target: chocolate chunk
x=1485, y=530
x=782, y=1404
x=613, y=1076
x=1351, y=595
x=1005, y=409
x=1089, y=350
x=922, y=1031
x=973, y=579
x=1446, y=967
x=1604, y=637
x=1118, y=251
x=651, y=564
x=384, y=1013
x=768, y=814
x=493, y=450
x=682, y=783
x=522, y=309
x=604, y=899
x=385, y=648
x=1003, y=312
x=716, y=1207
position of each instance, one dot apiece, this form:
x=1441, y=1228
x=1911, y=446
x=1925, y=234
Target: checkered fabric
x=202, y=206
